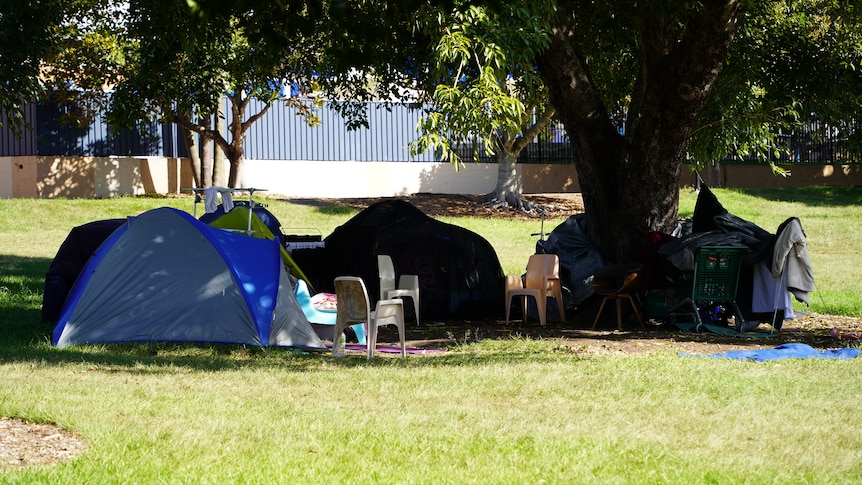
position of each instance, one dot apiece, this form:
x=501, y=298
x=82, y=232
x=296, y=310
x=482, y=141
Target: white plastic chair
x=542, y=281
x=353, y=307
x=408, y=284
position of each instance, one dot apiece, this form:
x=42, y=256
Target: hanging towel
x=791, y=256
x=769, y=292
x=211, y=200
x=226, y=200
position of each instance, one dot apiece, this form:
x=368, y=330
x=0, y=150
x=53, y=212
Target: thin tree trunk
x=219, y=165
x=509, y=186
x=194, y=155
x=509, y=189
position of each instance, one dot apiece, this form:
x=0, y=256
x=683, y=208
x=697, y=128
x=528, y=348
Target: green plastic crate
x=716, y=273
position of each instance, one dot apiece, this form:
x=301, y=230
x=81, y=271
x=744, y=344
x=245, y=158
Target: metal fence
x=815, y=144
x=283, y=135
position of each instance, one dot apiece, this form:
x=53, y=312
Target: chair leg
x=601, y=307
x=557, y=294
x=619, y=304
x=371, y=338
x=524, y=307
x=635, y=308
x=508, y=306
x=542, y=307
x=403, y=340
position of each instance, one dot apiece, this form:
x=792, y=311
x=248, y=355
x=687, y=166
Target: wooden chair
x=618, y=283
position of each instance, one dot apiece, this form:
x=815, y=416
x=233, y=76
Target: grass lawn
x=494, y=411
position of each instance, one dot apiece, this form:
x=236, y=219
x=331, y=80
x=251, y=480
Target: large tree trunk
x=630, y=182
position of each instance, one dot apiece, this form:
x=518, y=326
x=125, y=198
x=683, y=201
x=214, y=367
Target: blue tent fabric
x=784, y=351
x=166, y=277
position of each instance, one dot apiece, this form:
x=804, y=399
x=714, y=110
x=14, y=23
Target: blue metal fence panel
x=22, y=143
x=282, y=134
x=50, y=135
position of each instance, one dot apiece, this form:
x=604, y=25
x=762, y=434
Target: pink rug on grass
x=390, y=349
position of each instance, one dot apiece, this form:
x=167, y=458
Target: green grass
x=492, y=411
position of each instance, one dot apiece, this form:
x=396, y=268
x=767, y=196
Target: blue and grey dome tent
x=164, y=276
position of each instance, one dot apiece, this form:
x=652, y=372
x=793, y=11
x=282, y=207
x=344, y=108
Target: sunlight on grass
x=511, y=411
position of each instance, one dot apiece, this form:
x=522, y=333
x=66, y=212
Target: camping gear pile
x=228, y=277
x=232, y=276
x=716, y=270
x=772, y=269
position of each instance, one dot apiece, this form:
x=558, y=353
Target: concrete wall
x=74, y=177
x=7, y=177
x=549, y=179
x=749, y=177
x=137, y=176
x=52, y=177
x=367, y=179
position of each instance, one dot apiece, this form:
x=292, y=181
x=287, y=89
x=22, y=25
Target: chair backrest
x=539, y=266
x=386, y=273
x=389, y=312
x=352, y=298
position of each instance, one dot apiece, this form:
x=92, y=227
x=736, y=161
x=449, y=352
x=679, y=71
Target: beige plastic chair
x=408, y=284
x=542, y=281
x=353, y=307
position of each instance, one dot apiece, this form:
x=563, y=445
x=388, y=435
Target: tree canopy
x=639, y=86
x=634, y=84
x=488, y=94
x=29, y=33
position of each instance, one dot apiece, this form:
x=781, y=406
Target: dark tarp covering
x=71, y=258
x=579, y=259
x=459, y=272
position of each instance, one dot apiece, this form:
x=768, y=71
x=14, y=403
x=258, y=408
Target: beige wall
x=747, y=177
x=70, y=177
x=136, y=176
x=51, y=177
x=73, y=177
x=7, y=177
x=548, y=179
x=367, y=179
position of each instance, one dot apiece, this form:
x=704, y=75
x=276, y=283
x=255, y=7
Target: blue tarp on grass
x=784, y=351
